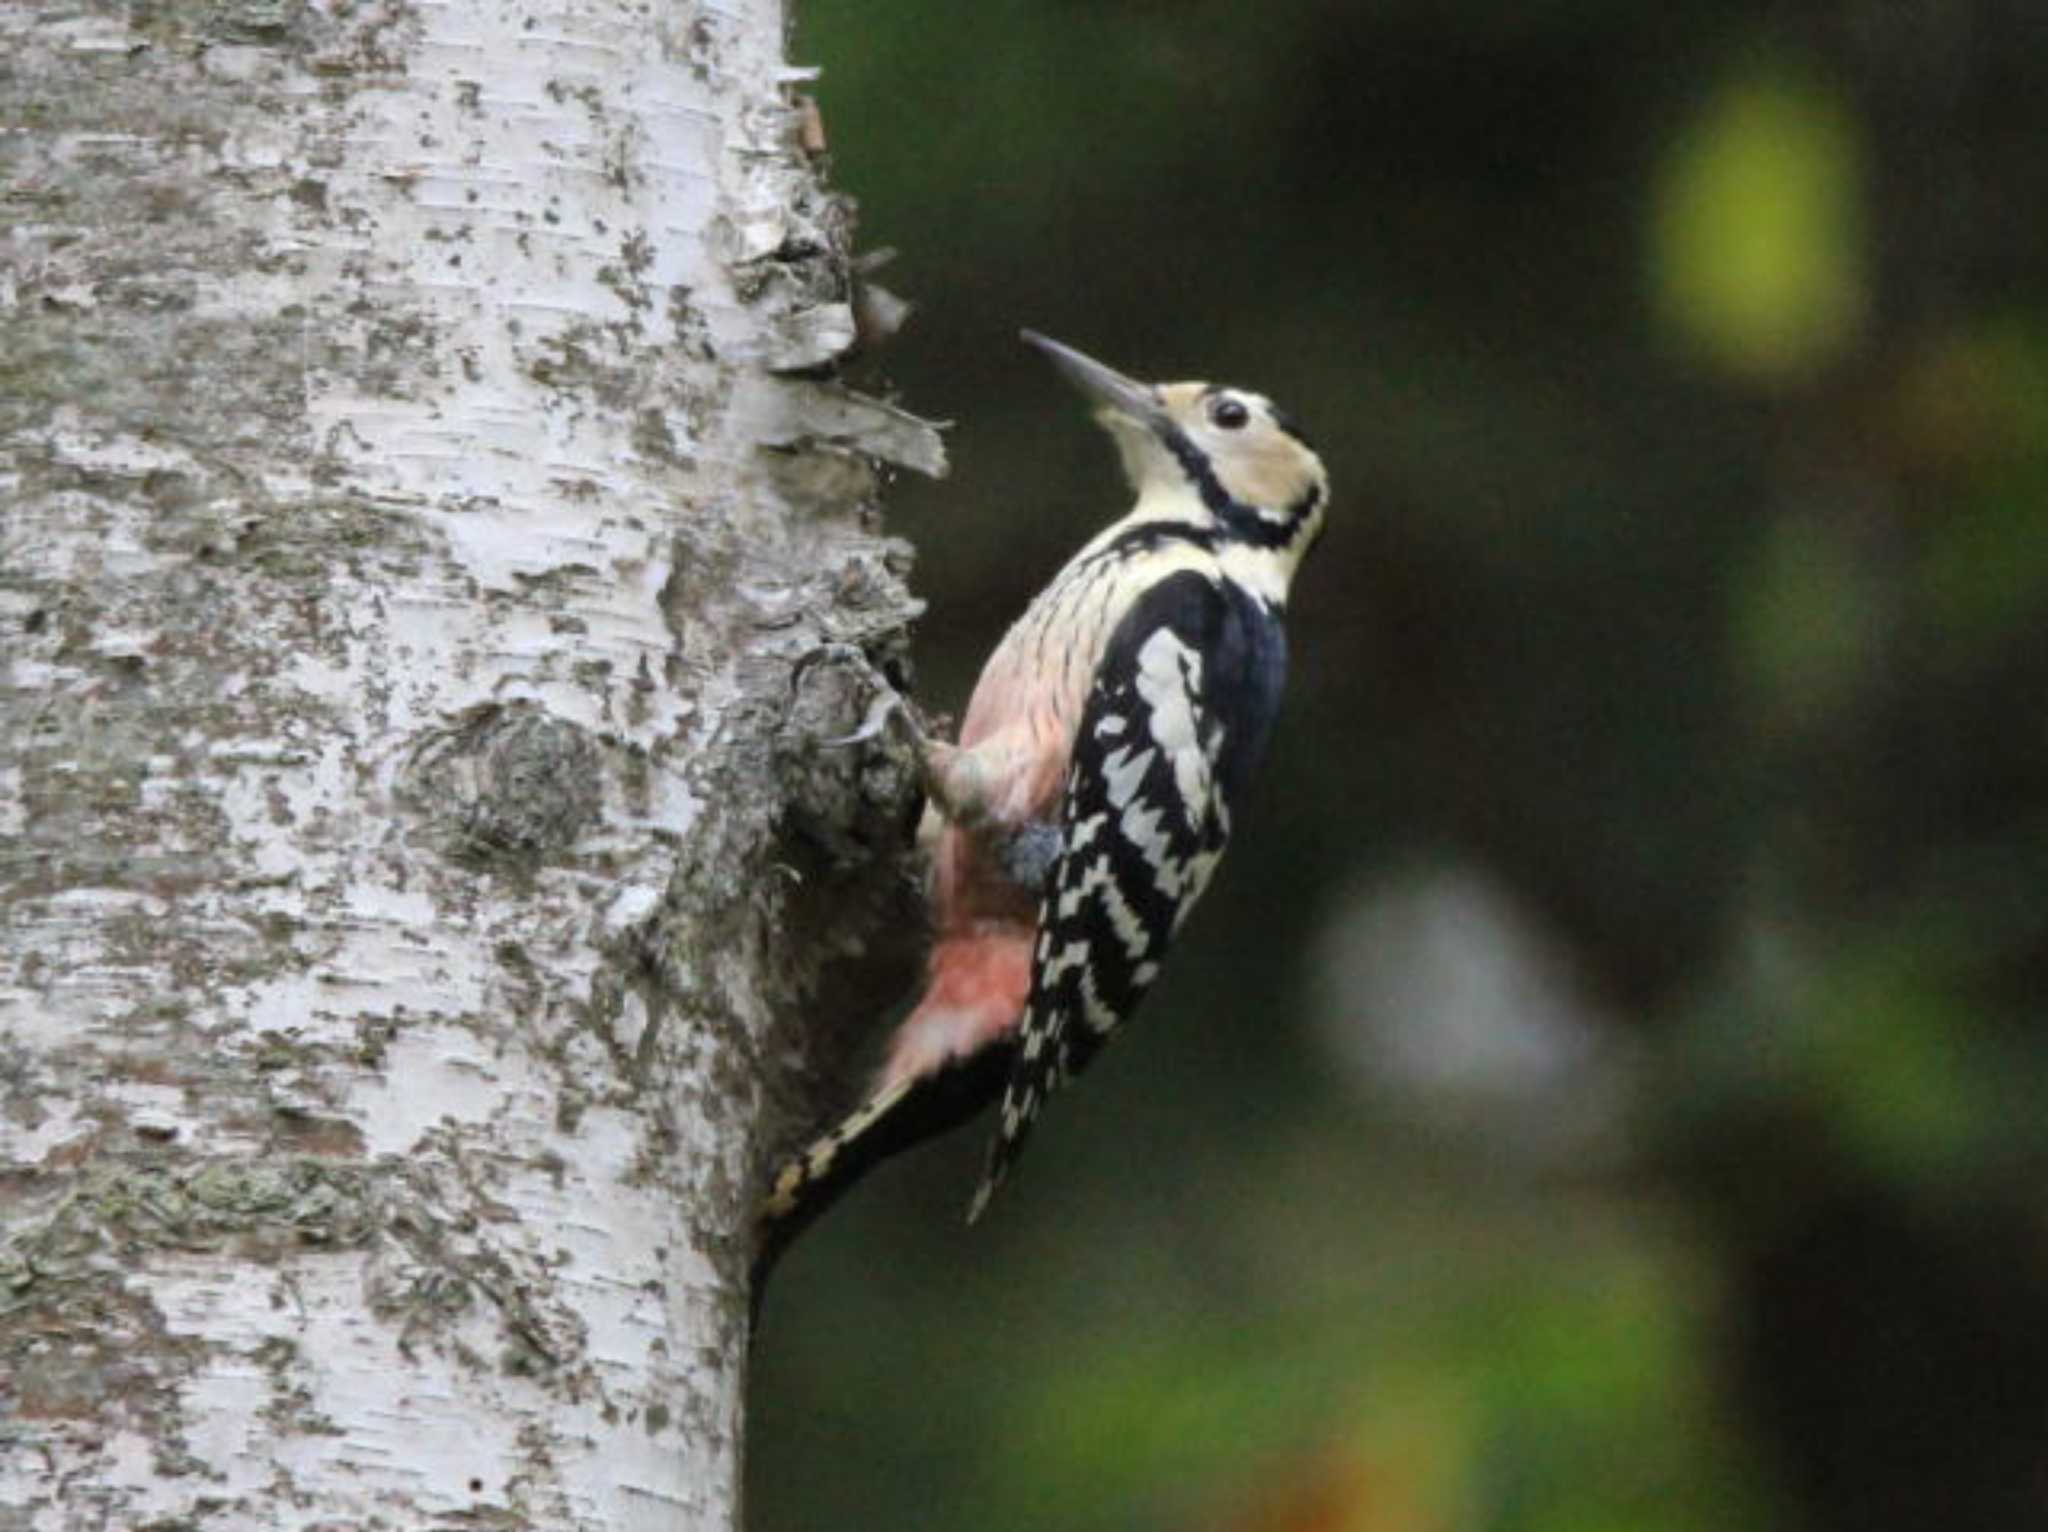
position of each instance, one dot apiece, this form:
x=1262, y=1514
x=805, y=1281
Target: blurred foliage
x=1683, y=373
x=1758, y=246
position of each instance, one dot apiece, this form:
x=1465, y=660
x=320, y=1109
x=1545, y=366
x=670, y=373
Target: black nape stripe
x=1246, y=525
x=1195, y=464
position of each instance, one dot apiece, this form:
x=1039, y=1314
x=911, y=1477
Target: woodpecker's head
x=1235, y=459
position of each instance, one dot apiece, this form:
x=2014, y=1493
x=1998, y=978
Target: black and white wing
x=1179, y=713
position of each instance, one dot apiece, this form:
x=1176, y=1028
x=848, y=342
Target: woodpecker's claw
x=887, y=704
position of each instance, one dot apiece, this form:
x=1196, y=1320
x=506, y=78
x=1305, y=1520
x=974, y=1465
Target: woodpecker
x=1090, y=795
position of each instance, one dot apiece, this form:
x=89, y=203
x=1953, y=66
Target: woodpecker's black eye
x=1229, y=413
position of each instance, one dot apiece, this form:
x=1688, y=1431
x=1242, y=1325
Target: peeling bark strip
x=409, y=844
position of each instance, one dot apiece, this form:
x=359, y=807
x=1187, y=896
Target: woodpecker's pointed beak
x=1105, y=386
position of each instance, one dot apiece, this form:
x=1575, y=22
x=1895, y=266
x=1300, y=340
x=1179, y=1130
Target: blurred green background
x=1607, y=1087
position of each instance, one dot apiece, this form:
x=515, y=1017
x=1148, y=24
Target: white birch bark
x=410, y=858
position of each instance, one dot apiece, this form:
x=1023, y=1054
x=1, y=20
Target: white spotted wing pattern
x=1177, y=716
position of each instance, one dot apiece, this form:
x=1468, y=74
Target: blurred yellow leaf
x=1757, y=259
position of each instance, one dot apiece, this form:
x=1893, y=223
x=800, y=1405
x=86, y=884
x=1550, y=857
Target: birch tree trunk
x=416, y=849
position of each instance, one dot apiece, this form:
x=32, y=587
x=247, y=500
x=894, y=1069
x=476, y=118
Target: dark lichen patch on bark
x=212, y=384
x=290, y=1410
x=810, y=266
x=307, y=1133
x=329, y=40
x=576, y=360
x=438, y=1254
x=508, y=787
x=80, y=1339
x=704, y=46
x=626, y=279
x=689, y=326
x=601, y=1053
x=119, y=1211
x=394, y=353
x=94, y=1352
x=653, y=439
x=317, y=542
x=122, y=786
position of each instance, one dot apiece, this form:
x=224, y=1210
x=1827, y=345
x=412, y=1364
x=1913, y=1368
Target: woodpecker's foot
x=953, y=779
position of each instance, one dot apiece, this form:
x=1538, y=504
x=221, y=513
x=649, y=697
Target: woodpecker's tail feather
x=1020, y=1110
x=895, y=1118
x=951, y=1058
x=1049, y=1055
